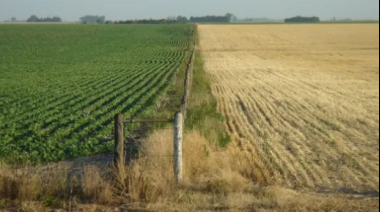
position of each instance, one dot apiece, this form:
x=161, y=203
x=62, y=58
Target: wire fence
x=125, y=152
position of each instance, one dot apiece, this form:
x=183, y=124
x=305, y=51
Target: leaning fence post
x=119, y=157
x=178, y=141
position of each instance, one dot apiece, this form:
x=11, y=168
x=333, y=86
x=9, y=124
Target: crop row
x=58, y=97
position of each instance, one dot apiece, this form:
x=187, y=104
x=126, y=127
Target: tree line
x=170, y=20
x=34, y=18
x=93, y=19
x=300, y=19
x=213, y=19
x=180, y=20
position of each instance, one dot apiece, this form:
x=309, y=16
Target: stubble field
x=301, y=101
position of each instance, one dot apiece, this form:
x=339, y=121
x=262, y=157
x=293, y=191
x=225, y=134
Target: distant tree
x=54, y=19
x=230, y=16
x=93, y=19
x=212, y=19
x=57, y=19
x=171, y=18
x=33, y=18
x=181, y=19
x=300, y=19
x=234, y=18
x=13, y=19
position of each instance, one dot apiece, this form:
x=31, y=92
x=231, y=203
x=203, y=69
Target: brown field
x=301, y=102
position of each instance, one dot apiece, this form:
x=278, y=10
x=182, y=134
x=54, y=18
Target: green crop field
x=61, y=85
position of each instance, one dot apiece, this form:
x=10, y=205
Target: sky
x=72, y=10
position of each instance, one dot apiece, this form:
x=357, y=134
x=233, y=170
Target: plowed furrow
x=307, y=115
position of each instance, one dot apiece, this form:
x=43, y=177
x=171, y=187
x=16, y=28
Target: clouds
x=131, y=9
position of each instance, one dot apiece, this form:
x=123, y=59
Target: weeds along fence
x=178, y=121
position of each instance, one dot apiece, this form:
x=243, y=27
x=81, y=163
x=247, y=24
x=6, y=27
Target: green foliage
x=3, y=204
x=50, y=201
x=62, y=85
x=202, y=113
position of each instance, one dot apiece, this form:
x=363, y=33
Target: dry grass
x=301, y=101
x=32, y=207
x=148, y=180
x=214, y=181
x=52, y=186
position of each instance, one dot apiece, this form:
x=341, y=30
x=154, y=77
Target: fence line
x=188, y=84
x=148, y=121
x=179, y=121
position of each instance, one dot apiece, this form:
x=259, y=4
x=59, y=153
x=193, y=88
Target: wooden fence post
x=178, y=141
x=119, y=157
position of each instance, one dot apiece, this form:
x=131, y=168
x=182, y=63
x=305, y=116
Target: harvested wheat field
x=301, y=102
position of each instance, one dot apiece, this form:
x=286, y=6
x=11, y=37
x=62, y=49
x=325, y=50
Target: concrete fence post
x=178, y=147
